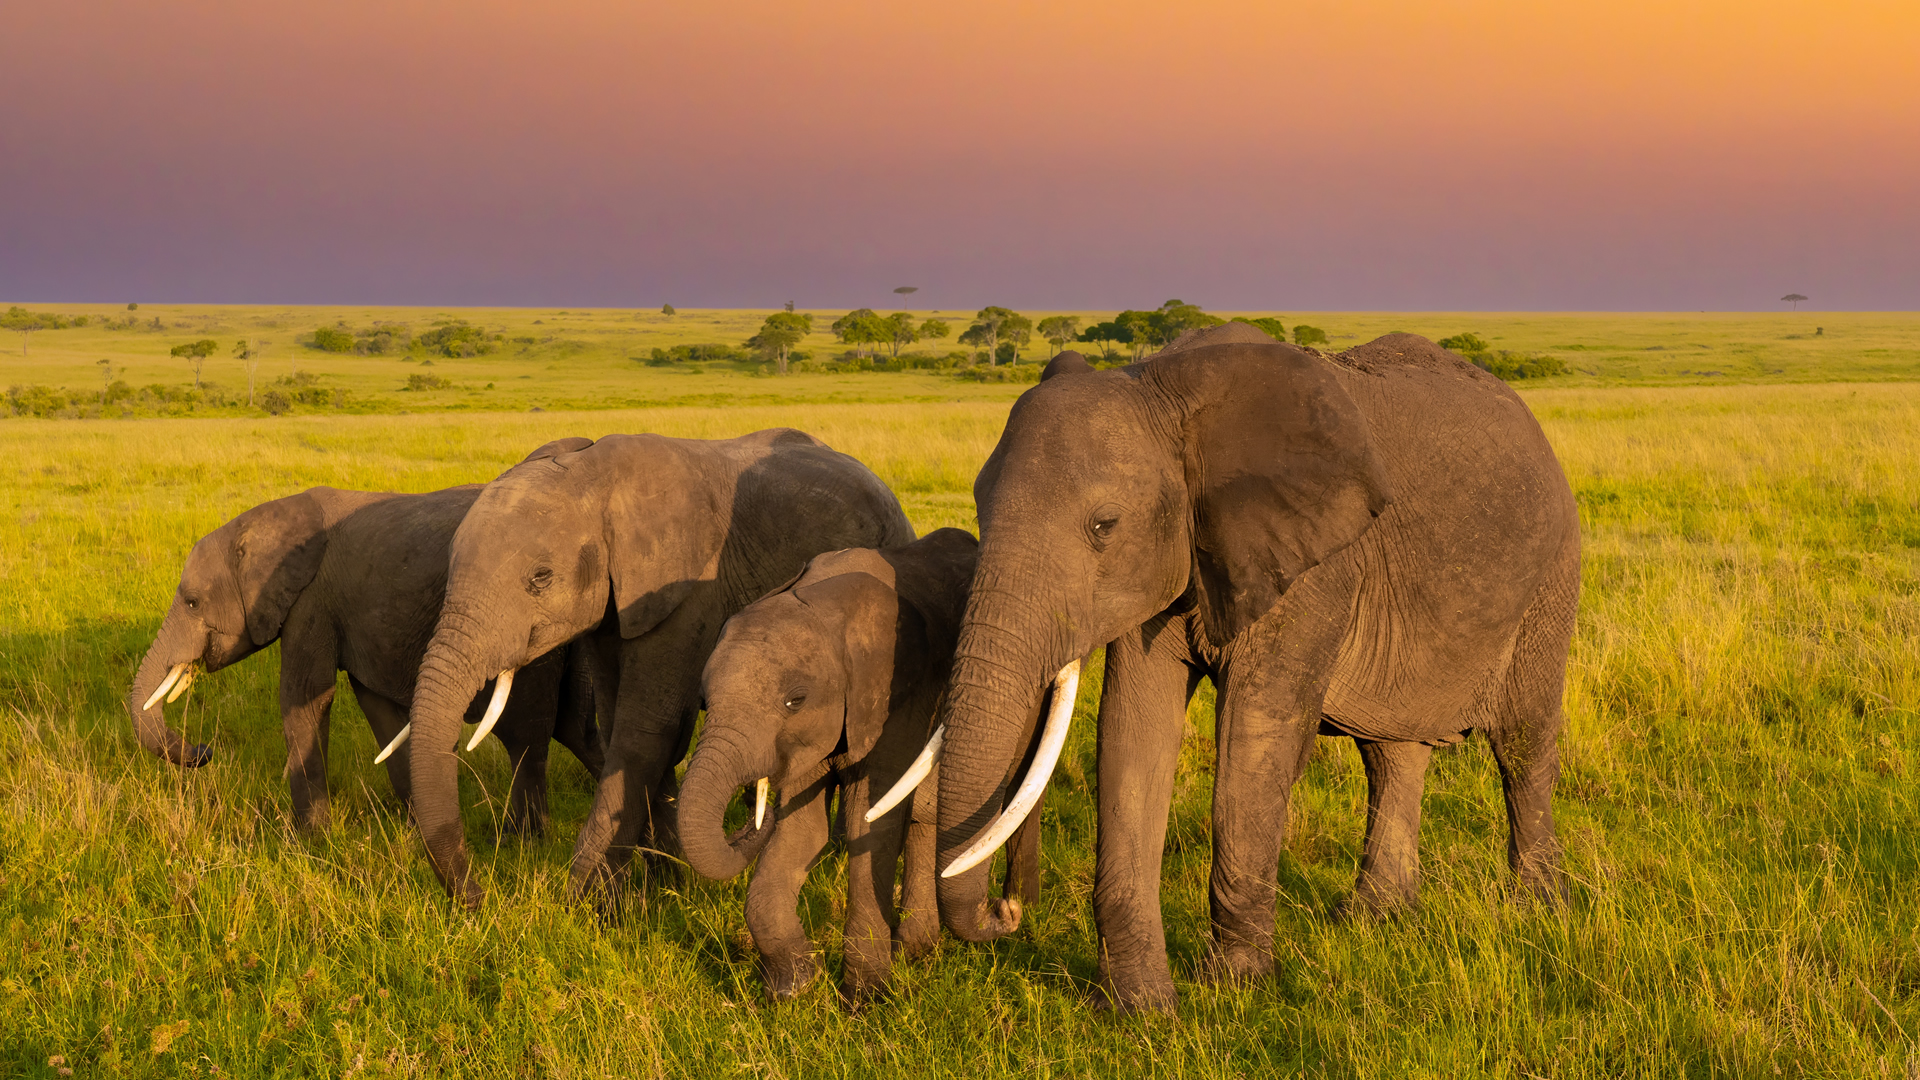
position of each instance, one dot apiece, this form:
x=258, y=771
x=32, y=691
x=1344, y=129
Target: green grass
x=1737, y=803
x=579, y=359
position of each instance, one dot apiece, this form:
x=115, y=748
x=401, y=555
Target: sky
x=1307, y=155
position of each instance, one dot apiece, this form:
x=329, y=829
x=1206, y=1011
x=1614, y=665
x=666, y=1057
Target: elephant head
x=1210, y=477
x=238, y=584
x=580, y=532
x=806, y=679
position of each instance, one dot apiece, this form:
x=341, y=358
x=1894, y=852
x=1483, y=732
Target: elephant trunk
x=181, y=641
x=1008, y=650
x=720, y=767
x=457, y=664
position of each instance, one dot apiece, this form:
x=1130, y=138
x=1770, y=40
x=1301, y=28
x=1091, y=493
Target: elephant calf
x=832, y=682
x=345, y=580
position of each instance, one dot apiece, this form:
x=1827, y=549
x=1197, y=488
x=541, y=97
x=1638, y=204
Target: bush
x=383, y=339
x=428, y=382
x=1508, y=366
x=1309, y=335
x=1266, y=324
x=329, y=339
x=42, y=401
x=1007, y=373
x=274, y=402
x=459, y=338
x=1464, y=344
x=694, y=354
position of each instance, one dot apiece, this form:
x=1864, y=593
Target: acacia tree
x=196, y=353
x=935, y=329
x=1107, y=335
x=993, y=324
x=1059, y=329
x=1793, y=298
x=861, y=327
x=900, y=333
x=248, y=350
x=25, y=322
x=905, y=291
x=779, y=334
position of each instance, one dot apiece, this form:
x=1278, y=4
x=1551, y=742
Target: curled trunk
x=181, y=640
x=718, y=769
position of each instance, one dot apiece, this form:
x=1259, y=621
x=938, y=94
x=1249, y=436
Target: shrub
x=1309, y=335
x=329, y=339
x=40, y=401
x=459, y=338
x=274, y=402
x=427, y=382
x=690, y=354
x=383, y=339
x=1010, y=373
x=1464, y=344
x=1267, y=324
x=133, y=307
x=1508, y=366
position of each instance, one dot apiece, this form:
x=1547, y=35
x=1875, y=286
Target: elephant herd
x=1378, y=544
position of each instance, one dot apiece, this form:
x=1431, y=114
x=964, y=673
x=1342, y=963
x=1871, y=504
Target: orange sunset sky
x=1370, y=154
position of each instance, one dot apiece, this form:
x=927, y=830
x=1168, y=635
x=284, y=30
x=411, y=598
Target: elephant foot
x=313, y=819
x=525, y=827
x=787, y=975
x=1241, y=962
x=918, y=936
x=1135, y=1001
x=1375, y=898
x=1543, y=880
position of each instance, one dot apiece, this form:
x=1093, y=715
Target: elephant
x=344, y=580
x=829, y=683
x=640, y=547
x=1378, y=544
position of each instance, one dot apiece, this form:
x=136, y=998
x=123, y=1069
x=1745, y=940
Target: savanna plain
x=1736, y=803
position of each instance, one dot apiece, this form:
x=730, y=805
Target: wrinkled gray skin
x=348, y=581
x=1379, y=544
x=649, y=544
x=831, y=682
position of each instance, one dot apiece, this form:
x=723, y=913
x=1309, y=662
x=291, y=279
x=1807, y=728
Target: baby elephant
x=831, y=682
x=353, y=581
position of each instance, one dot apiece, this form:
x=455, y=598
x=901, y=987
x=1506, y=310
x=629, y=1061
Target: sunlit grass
x=1736, y=803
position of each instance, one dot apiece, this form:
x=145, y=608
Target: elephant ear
x=1281, y=473
x=557, y=447
x=877, y=629
x=663, y=530
x=276, y=551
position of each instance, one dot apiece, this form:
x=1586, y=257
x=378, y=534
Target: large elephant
x=344, y=580
x=650, y=544
x=829, y=683
x=1378, y=544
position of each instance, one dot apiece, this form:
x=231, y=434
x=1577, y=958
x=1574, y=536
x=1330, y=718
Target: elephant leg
x=873, y=853
x=1390, y=862
x=1023, y=859
x=527, y=799
x=919, y=916
x=387, y=718
x=773, y=896
x=307, y=681
x=573, y=722
x=1142, y=705
x=1526, y=732
x=653, y=722
x=1271, y=688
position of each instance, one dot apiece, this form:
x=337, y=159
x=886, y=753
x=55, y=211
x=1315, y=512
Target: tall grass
x=1736, y=804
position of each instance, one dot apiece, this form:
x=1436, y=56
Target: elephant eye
x=1102, y=526
x=795, y=700
x=541, y=578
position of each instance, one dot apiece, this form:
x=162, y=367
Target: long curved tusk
x=166, y=684
x=394, y=745
x=186, y=680
x=502, y=686
x=1053, y=739
x=760, y=800
x=909, y=780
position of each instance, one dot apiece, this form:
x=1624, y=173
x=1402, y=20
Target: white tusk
x=166, y=684
x=502, y=686
x=760, y=800
x=1053, y=739
x=186, y=680
x=394, y=745
x=909, y=780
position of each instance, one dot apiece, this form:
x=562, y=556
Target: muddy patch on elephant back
x=1383, y=354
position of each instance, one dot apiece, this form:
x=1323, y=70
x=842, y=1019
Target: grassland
x=1738, y=801
x=577, y=359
